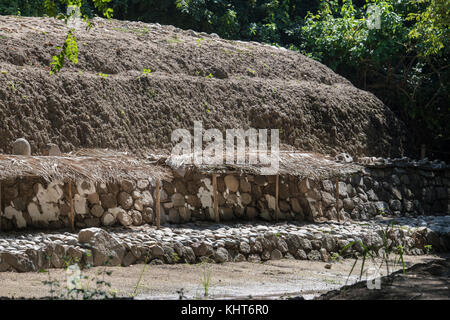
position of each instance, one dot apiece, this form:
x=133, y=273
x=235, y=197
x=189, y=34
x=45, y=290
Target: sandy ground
x=269, y=280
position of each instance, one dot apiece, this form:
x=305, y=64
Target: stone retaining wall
x=397, y=191
x=212, y=242
x=33, y=203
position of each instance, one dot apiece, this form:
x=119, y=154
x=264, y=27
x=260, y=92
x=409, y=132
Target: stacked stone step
x=209, y=242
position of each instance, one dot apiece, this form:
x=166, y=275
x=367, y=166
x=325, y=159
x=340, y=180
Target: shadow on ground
x=424, y=281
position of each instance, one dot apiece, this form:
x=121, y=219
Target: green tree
x=22, y=7
x=403, y=60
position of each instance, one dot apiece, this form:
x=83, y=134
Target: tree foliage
x=270, y=21
x=403, y=59
x=432, y=26
x=69, y=50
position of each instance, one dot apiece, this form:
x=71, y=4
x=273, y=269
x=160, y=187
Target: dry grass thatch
x=300, y=164
x=111, y=166
x=93, y=165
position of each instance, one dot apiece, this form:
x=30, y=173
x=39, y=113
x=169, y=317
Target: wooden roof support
x=216, y=198
x=277, y=181
x=337, y=200
x=1, y=211
x=71, y=213
x=158, y=204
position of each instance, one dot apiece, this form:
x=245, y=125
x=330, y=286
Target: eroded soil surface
x=110, y=99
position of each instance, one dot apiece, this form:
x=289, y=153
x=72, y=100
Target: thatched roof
x=93, y=165
x=294, y=163
x=98, y=165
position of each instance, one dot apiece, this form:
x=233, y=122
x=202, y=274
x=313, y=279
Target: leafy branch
x=69, y=50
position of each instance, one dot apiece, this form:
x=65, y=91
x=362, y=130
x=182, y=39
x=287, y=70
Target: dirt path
x=272, y=279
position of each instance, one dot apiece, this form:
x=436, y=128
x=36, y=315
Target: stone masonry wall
x=32, y=203
x=387, y=191
x=395, y=191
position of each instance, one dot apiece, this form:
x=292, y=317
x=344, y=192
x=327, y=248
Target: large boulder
x=202, y=249
x=51, y=149
x=232, y=183
x=188, y=255
x=125, y=200
x=106, y=249
x=124, y=218
x=21, y=147
x=221, y=255
x=19, y=261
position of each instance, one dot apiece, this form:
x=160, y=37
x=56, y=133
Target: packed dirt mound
x=423, y=281
x=107, y=100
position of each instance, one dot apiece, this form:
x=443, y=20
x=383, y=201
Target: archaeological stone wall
x=395, y=191
x=33, y=203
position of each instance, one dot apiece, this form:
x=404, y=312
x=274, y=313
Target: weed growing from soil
x=370, y=252
x=207, y=109
x=145, y=72
x=69, y=49
x=142, y=31
x=135, y=292
x=206, y=280
x=138, y=31
x=251, y=72
x=174, y=40
x=151, y=93
x=335, y=257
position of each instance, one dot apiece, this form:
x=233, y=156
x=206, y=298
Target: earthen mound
x=110, y=99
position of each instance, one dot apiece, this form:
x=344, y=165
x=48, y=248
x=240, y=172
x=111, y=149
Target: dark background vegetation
x=405, y=62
